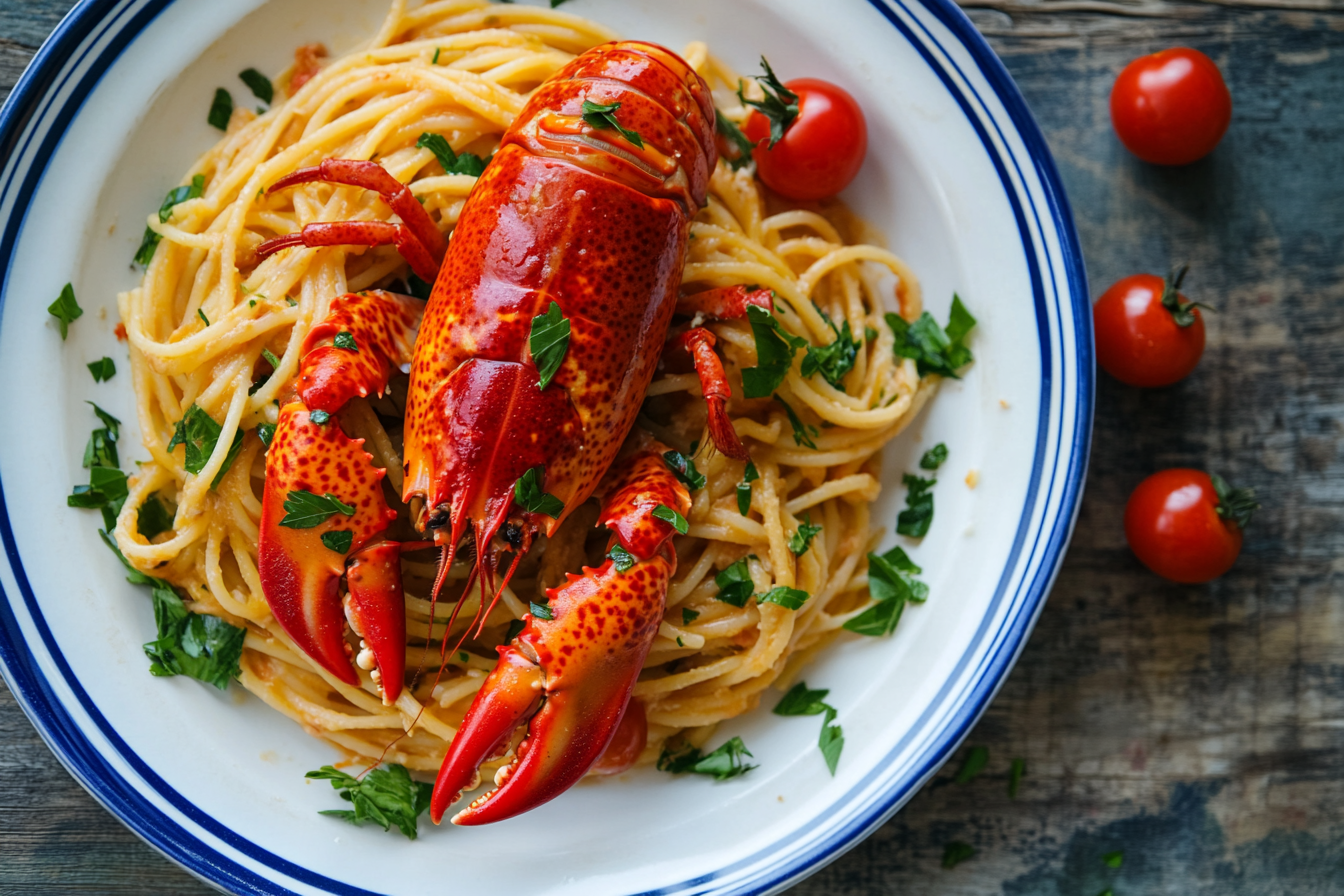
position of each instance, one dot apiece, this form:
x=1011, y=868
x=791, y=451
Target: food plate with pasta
x=480, y=404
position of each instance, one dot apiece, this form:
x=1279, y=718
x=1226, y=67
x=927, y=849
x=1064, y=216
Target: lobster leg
x=570, y=676
x=699, y=342
x=417, y=237
x=323, y=508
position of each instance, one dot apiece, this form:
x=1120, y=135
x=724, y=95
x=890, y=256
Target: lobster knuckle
x=382, y=327
x=632, y=491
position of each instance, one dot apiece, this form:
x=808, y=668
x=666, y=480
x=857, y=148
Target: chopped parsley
x=103, y=369
x=386, y=797
x=541, y=610
x=603, y=118
x=775, y=348
x=1114, y=859
x=418, y=288
x=548, y=342
x=198, y=433
x=259, y=84
x=668, y=515
x=801, y=539
x=304, y=510
x=892, y=585
x=735, y=583
x=934, y=349
x=320, y=417
x=266, y=432
x=972, y=765
x=153, y=518
x=738, y=140
x=65, y=309
x=201, y=314
x=453, y=163
x=1016, y=772
x=803, y=433
x=744, y=488
x=107, y=489
x=515, y=628
x=684, y=468
x=802, y=701
x=150, y=241
x=527, y=492
x=271, y=359
x=833, y=361
x=957, y=852
x=780, y=105
x=339, y=540
x=688, y=615
x=722, y=764
x=1234, y=504
x=788, y=598
x=914, y=520
x=620, y=558
x=346, y=340
x=934, y=457
x=221, y=109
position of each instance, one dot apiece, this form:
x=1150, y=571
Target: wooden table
x=1200, y=730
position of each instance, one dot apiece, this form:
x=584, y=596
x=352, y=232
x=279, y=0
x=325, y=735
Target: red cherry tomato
x=1139, y=340
x=821, y=150
x=1172, y=107
x=1173, y=524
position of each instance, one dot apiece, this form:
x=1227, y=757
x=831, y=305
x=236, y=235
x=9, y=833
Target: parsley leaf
x=722, y=764
x=744, y=488
x=957, y=852
x=266, y=432
x=199, y=434
x=271, y=359
x=774, y=354
x=831, y=741
x=800, y=701
x=620, y=558
x=259, y=84
x=735, y=584
x=150, y=241
x=972, y=765
x=221, y=109
x=338, y=540
x=304, y=510
x=891, y=585
x=153, y=518
x=688, y=615
x=803, y=433
x=1182, y=312
x=1114, y=859
x=780, y=105
x=788, y=598
x=541, y=610
x=914, y=520
x=107, y=489
x=65, y=309
x=101, y=450
x=1016, y=772
x=384, y=796
x=527, y=492
x=934, y=457
x=801, y=540
x=1234, y=504
x=878, y=620
x=934, y=349
x=515, y=629
x=603, y=118
x=684, y=468
x=668, y=515
x=320, y=417
x=733, y=134
x=346, y=340
x=103, y=369
x=548, y=342
x=453, y=163
x=833, y=361
x=201, y=314
x=418, y=288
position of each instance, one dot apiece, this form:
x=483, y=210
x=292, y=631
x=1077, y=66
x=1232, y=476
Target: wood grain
x=1198, y=729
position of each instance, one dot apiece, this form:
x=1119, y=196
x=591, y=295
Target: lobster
x=580, y=221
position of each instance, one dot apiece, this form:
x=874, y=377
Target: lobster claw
x=571, y=673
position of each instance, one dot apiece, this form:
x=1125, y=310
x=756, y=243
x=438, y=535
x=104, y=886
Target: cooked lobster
x=581, y=220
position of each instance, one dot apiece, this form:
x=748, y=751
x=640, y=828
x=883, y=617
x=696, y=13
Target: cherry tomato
x=821, y=150
x=1140, y=340
x=1172, y=107
x=1185, y=525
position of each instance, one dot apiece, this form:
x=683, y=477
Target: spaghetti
x=208, y=317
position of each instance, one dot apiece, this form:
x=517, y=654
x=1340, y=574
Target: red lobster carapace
x=587, y=204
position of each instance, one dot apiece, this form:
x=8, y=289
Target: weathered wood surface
x=1198, y=729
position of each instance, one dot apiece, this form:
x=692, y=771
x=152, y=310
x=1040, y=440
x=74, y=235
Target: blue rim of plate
x=51, y=93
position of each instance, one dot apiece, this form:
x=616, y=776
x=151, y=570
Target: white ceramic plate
x=108, y=117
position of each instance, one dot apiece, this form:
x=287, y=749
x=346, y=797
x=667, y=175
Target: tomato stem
x=1181, y=311
x=1236, y=505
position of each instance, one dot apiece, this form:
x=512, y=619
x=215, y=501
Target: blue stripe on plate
x=64, y=60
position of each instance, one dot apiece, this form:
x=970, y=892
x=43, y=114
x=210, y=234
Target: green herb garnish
x=418, y=288
x=384, y=796
x=620, y=558
x=891, y=585
x=934, y=457
x=259, y=84
x=527, y=492
x=957, y=852
x=1114, y=859
x=304, y=510
x=103, y=369
x=266, y=432
x=338, y=540
x=199, y=433
x=801, y=539
x=934, y=349
x=914, y=520
x=733, y=134
x=744, y=488
x=833, y=361
x=775, y=348
x=1016, y=771
x=802, y=701
x=153, y=518
x=668, y=515
x=684, y=468
x=803, y=433
x=150, y=241
x=780, y=105
x=65, y=309
x=346, y=340
x=453, y=163
x=320, y=417
x=788, y=598
x=972, y=765
x=548, y=342
x=541, y=610
x=735, y=584
x=221, y=109
x=688, y=615
x=604, y=117
x=722, y=764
